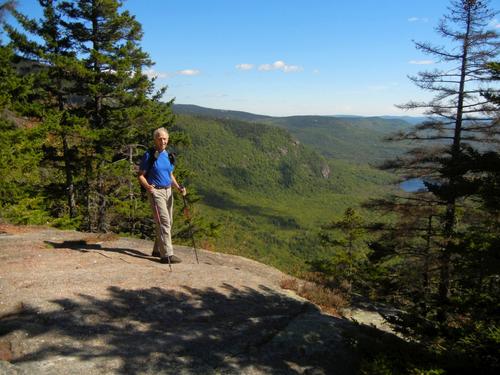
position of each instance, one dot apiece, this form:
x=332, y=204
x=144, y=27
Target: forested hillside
x=332, y=136
x=268, y=190
x=355, y=139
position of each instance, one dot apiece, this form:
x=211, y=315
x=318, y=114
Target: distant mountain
x=352, y=138
x=194, y=110
x=413, y=120
x=266, y=189
x=355, y=139
x=191, y=109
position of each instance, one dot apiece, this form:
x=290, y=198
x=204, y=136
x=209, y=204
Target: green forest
x=314, y=196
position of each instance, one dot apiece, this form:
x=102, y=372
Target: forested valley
x=315, y=196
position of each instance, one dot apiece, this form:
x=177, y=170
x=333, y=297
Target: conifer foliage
x=94, y=107
x=443, y=244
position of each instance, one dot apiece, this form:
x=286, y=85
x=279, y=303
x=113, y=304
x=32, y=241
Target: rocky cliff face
x=75, y=303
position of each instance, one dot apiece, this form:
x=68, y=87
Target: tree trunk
x=131, y=196
x=101, y=200
x=70, y=188
x=426, y=282
x=450, y=217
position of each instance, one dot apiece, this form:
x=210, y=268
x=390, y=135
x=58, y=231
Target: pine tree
x=113, y=89
x=347, y=240
x=52, y=60
x=460, y=119
x=97, y=107
x=20, y=151
x=457, y=159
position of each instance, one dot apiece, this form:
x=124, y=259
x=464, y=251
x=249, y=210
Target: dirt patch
x=9, y=229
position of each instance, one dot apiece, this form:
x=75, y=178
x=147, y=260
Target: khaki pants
x=162, y=204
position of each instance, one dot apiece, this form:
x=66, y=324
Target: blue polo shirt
x=159, y=173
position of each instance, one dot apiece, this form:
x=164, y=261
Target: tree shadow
x=190, y=330
x=84, y=247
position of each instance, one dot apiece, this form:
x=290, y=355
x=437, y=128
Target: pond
x=413, y=185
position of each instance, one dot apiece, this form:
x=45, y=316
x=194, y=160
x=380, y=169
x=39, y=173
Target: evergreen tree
x=52, y=59
x=406, y=256
x=347, y=241
x=457, y=159
x=113, y=89
x=97, y=108
x=19, y=152
x=459, y=119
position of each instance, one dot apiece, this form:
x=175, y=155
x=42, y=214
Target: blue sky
x=289, y=57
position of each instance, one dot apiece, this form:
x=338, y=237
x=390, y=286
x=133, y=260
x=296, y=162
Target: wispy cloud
x=189, y=72
x=280, y=65
x=421, y=62
x=151, y=73
x=277, y=65
x=244, y=66
x=418, y=19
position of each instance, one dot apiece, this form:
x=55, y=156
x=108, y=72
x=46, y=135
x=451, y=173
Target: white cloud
x=316, y=71
x=421, y=62
x=151, y=73
x=418, y=19
x=266, y=67
x=244, y=66
x=292, y=68
x=280, y=65
x=188, y=72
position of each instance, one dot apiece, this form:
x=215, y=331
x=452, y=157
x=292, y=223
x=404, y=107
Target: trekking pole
x=159, y=228
x=186, y=212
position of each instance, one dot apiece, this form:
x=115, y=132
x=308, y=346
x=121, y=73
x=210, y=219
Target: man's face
x=161, y=141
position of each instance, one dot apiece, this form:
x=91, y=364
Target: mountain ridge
x=227, y=113
x=353, y=139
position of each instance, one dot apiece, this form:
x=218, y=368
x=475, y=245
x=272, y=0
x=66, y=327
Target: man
x=156, y=176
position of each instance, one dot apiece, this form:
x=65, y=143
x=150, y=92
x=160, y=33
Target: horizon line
x=296, y=115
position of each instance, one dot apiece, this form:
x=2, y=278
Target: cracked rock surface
x=79, y=303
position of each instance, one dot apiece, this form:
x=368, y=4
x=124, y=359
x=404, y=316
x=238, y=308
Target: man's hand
x=182, y=190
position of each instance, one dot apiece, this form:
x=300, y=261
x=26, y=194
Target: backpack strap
x=171, y=157
x=151, y=151
x=151, y=160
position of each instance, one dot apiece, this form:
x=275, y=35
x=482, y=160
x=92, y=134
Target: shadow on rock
x=207, y=331
x=83, y=246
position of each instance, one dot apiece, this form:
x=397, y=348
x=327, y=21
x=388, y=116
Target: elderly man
x=156, y=176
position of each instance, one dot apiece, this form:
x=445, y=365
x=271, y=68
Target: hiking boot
x=156, y=253
x=171, y=259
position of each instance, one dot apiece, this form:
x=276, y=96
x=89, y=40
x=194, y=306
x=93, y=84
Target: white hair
x=158, y=131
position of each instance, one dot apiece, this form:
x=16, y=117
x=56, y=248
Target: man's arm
x=178, y=186
x=142, y=180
